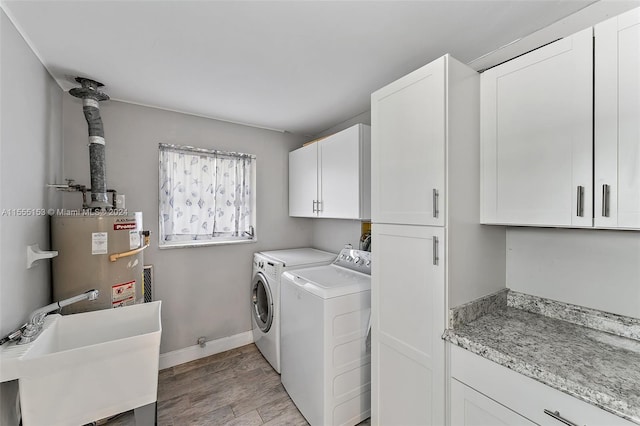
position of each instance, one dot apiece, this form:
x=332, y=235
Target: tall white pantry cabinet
x=430, y=252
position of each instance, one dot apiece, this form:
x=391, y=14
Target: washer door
x=262, y=302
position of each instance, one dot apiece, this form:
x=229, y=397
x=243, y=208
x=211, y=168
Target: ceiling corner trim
x=593, y=13
x=240, y=123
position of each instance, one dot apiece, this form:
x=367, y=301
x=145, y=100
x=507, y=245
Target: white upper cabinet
x=409, y=159
x=331, y=178
x=345, y=174
x=536, y=133
x=560, y=119
x=617, y=122
x=303, y=181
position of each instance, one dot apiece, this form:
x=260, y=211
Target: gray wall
x=30, y=157
x=205, y=290
x=332, y=234
x=594, y=268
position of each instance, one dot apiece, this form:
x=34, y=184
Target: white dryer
x=268, y=267
x=326, y=359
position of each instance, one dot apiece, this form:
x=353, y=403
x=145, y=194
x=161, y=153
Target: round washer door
x=262, y=302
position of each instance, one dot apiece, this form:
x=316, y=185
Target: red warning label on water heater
x=124, y=226
x=123, y=294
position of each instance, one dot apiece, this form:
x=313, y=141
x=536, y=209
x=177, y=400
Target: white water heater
x=102, y=251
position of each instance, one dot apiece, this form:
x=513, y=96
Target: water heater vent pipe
x=91, y=96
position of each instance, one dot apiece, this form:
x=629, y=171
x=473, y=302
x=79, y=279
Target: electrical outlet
x=120, y=201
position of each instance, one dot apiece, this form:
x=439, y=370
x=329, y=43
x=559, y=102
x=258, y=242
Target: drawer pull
x=436, y=199
x=436, y=258
x=556, y=415
x=606, y=194
x=580, y=197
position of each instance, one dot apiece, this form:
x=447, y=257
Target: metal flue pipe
x=91, y=96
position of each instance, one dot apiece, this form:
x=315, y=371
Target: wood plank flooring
x=237, y=387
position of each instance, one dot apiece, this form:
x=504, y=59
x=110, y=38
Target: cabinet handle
x=606, y=193
x=556, y=415
x=314, y=206
x=580, y=207
x=435, y=251
x=319, y=208
x=436, y=198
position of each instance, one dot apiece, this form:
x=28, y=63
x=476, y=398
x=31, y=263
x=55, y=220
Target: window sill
x=191, y=244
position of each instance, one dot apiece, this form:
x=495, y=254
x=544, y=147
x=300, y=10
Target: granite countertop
x=534, y=337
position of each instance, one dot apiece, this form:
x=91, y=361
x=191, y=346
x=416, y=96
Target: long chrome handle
x=436, y=258
x=606, y=193
x=580, y=207
x=556, y=415
x=319, y=208
x=436, y=197
x=314, y=206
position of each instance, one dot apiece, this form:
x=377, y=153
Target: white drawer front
x=471, y=408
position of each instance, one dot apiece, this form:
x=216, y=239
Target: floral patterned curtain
x=205, y=194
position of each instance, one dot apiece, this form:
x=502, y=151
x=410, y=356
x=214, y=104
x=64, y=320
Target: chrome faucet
x=36, y=319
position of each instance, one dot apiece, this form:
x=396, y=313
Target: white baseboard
x=191, y=353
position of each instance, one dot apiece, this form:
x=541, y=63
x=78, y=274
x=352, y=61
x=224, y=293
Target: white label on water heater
x=99, y=242
x=134, y=240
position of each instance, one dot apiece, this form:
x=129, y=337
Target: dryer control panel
x=356, y=260
x=270, y=269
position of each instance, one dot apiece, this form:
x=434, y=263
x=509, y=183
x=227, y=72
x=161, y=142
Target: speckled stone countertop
x=595, y=366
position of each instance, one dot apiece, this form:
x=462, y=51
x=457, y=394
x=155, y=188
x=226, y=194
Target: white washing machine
x=268, y=267
x=325, y=320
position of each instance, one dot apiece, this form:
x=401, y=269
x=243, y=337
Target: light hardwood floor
x=237, y=387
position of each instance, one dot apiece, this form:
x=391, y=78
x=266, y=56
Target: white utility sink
x=88, y=366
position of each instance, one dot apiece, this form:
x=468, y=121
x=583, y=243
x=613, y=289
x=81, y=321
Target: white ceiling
x=297, y=66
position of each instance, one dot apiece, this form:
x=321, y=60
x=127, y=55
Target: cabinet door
x=536, y=133
x=617, y=123
x=408, y=319
x=340, y=175
x=303, y=181
x=408, y=148
x=471, y=408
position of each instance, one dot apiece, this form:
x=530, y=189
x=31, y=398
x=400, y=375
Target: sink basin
x=88, y=366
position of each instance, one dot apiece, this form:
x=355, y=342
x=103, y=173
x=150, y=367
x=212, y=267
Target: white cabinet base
x=523, y=395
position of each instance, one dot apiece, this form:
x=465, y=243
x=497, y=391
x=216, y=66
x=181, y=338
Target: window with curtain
x=206, y=196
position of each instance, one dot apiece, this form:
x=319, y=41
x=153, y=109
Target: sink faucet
x=36, y=319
